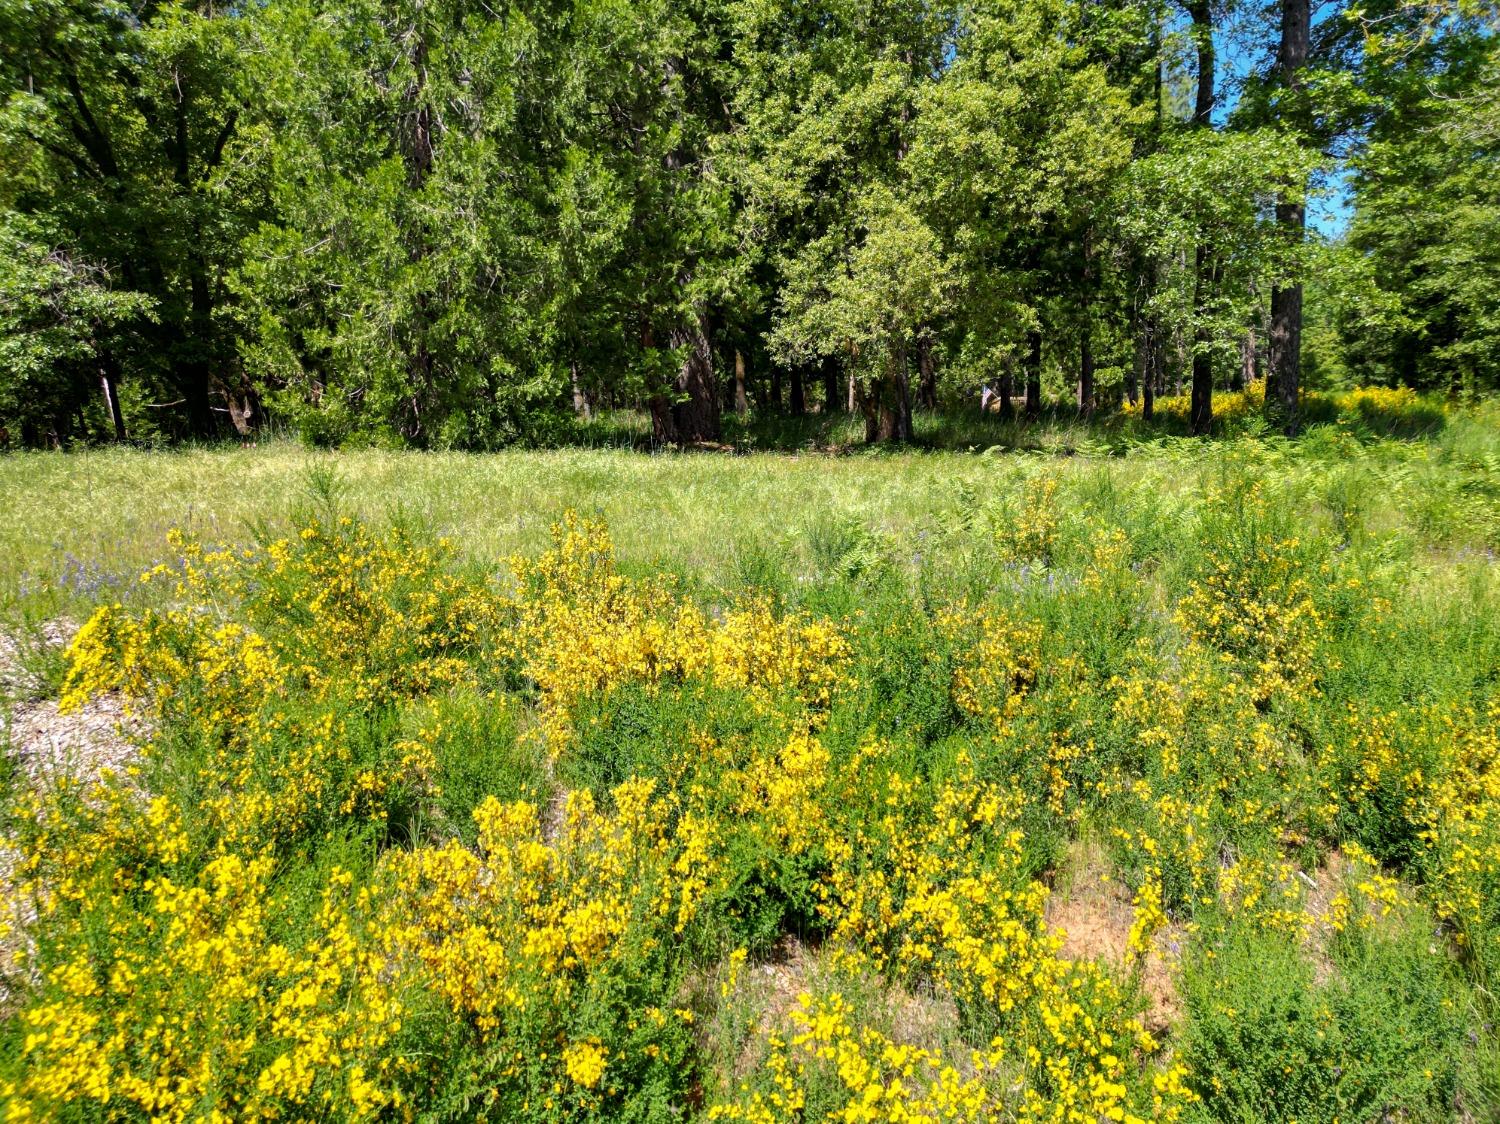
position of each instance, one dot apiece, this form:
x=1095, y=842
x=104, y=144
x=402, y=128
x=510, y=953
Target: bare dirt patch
x=1323, y=886
x=45, y=747
x=1093, y=913
x=769, y=991
x=99, y=737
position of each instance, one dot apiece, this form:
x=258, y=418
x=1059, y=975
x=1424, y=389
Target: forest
x=442, y=224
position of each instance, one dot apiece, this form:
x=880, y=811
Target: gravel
x=44, y=747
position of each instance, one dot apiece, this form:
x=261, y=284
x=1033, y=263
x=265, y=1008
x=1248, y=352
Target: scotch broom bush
x=414, y=836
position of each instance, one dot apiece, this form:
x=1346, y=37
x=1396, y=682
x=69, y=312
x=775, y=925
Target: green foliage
x=1207, y=191
x=478, y=752
x=587, y=837
x=1409, y=297
x=128, y=162
x=432, y=225
x=1268, y=1041
x=60, y=323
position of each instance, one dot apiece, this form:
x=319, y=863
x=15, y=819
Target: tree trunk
x=192, y=378
x=741, y=403
x=799, y=393
x=243, y=403
x=1033, y=373
x=1291, y=215
x=903, y=390
x=1179, y=358
x=886, y=405
x=1285, y=374
x=776, y=389
x=1201, y=415
x=1086, y=371
x=194, y=371
x=419, y=368
x=927, y=369
x=830, y=385
x=1201, y=14
x=663, y=421
x=109, y=382
x=1202, y=411
x=1007, y=389
x=1138, y=362
x=580, y=400
x=1245, y=376
x=695, y=415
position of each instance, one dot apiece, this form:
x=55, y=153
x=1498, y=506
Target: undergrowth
x=570, y=839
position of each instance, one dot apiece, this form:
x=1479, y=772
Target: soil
x=43, y=747
x=1093, y=913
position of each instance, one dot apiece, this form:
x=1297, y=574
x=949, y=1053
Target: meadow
x=1047, y=774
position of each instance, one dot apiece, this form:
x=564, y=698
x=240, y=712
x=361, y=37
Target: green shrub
x=1268, y=1038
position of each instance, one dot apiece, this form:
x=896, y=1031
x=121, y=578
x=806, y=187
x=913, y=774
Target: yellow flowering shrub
x=529, y=940
x=877, y=1079
x=1384, y=409
x=188, y=1005
x=1229, y=406
x=296, y=904
x=584, y=629
x=1030, y=532
x=1257, y=609
x=997, y=667
x=1422, y=786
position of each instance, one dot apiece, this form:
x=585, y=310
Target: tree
x=1207, y=269
x=63, y=332
x=1019, y=150
x=123, y=136
x=1206, y=194
x=872, y=306
x=1410, y=294
x=830, y=104
x=439, y=224
x=1291, y=214
x=401, y=293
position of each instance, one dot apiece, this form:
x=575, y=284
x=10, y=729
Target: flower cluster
x=584, y=629
x=406, y=840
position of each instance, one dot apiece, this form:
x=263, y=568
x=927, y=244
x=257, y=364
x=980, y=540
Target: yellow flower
x=585, y=1062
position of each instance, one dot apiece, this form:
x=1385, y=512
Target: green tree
x=63, y=332
x=1291, y=214
x=1206, y=195
x=401, y=292
x=655, y=83
x=1019, y=152
x=1417, y=300
x=830, y=103
x=122, y=133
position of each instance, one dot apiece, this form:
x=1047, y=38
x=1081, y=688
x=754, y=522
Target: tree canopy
x=446, y=224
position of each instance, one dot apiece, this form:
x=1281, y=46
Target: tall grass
x=78, y=526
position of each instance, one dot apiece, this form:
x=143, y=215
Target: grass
x=79, y=526
x=745, y=796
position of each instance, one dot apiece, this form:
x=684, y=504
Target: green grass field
x=102, y=515
x=1089, y=774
